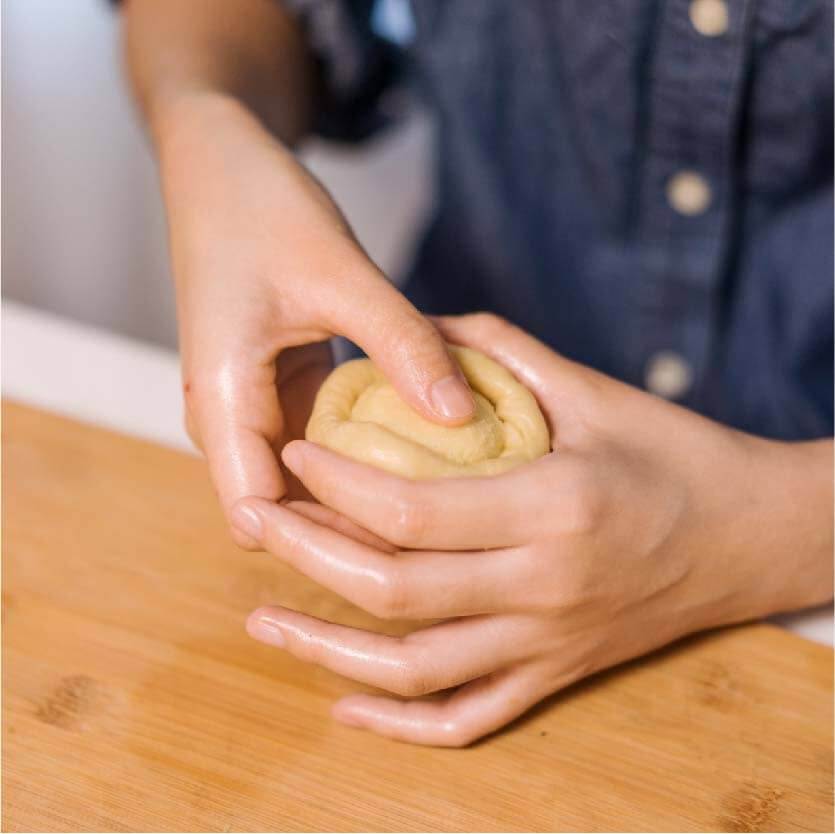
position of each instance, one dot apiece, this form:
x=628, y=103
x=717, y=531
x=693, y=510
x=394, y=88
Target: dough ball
x=359, y=414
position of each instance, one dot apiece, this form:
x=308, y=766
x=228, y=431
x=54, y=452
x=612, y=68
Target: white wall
x=83, y=227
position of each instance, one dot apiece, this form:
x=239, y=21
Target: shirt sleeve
x=359, y=72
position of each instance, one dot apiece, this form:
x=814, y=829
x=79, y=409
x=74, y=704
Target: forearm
x=250, y=50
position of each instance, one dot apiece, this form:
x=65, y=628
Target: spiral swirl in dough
x=359, y=414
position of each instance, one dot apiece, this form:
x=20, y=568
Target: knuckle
x=326, y=490
x=490, y=324
x=390, y=600
x=409, y=522
x=310, y=651
x=414, y=677
x=243, y=541
x=237, y=396
x=455, y=734
x=411, y=329
x=421, y=352
x=311, y=643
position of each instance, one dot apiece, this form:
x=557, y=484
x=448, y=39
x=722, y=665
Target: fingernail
x=346, y=716
x=247, y=521
x=451, y=398
x=293, y=458
x=349, y=719
x=264, y=628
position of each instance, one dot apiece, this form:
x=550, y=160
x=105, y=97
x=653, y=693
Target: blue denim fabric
x=560, y=124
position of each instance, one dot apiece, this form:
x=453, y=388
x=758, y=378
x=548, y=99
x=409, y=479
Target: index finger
x=239, y=420
x=447, y=514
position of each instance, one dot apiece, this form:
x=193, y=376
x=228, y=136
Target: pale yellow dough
x=359, y=414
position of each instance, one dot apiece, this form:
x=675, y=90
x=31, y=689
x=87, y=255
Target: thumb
x=558, y=383
x=409, y=351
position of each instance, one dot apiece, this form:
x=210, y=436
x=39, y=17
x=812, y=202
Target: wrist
x=771, y=544
x=798, y=496
x=184, y=110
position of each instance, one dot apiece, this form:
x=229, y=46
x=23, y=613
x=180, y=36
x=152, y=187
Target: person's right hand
x=264, y=262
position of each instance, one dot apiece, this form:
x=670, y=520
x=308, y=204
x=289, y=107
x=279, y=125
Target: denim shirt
x=647, y=191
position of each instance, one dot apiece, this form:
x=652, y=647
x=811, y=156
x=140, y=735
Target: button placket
x=694, y=99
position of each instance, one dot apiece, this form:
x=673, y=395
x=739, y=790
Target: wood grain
x=133, y=699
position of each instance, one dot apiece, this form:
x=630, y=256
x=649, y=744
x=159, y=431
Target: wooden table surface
x=133, y=699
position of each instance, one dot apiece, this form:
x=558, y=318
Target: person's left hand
x=646, y=522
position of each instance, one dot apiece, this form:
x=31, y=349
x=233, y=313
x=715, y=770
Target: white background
x=83, y=226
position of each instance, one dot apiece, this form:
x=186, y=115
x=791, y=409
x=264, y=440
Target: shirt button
x=668, y=375
x=709, y=17
x=688, y=193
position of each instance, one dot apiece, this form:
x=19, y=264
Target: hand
x=299, y=373
x=264, y=263
x=646, y=522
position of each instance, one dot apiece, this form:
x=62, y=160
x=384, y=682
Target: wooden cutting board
x=133, y=699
